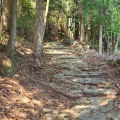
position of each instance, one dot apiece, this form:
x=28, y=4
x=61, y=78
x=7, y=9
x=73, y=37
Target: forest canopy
x=78, y=19
x=95, y=22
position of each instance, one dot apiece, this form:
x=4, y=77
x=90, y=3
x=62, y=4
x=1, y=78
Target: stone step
x=83, y=80
x=64, y=74
x=91, y=81
x=76, y=91
x=57, y=54
x=98, y=92
x=115, y=115
x=52, y=43
x=72, y=73
x=68, y=57
x=94, y=92
x=87, y=75
x=59, y=50
x=55, y=47
x=82, y=83
x=94, y=81
x=88, y=69
x=71, y=61
x=81, y=75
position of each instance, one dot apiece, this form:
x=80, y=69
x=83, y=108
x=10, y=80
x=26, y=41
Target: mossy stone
x=7, y=67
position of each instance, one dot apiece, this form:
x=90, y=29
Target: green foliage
x=25, y=22
x=110, y=19
x=2, y=42
x=65, y=9
x=2, y=39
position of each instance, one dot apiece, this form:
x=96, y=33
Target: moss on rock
x=6, y=66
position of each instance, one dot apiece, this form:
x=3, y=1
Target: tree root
x=64, y=93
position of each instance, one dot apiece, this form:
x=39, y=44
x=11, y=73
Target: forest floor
x=66, y=86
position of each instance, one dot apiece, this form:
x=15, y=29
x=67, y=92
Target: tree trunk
x=1, y=8
x=6, y=15
x=91, y=30
x=38, y=35
x=100, y=31
x=11, y=42
x=100, y=40
x=81, y=23
x=20, y=4
x=117, y=43
x=45, y=17
x=70, y=26
x=76, y=34
x=60, y=25
x=82, y=37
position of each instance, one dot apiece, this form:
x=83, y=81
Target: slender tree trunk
x=91, y=30
x=118, y=42
x=60, y=25
x=100, y=40
x=6, y=14
x=82, y=37
x=38, y=35
x=100, y=31
x=70, y=33
x=11, y=42
x=79, y=28
x=1, y=10
x=45, y=17
x=20, y=4
x=76, y=34
x=40, y=26
x=81, y=23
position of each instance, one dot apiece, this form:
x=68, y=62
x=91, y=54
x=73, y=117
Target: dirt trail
x=76, y=77
x=65, y=87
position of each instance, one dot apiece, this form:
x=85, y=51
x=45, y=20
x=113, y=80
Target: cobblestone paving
x=97, y=101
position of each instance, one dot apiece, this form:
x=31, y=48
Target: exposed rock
x=112, y=61
x=68, y=72
x=68, y=41
x=75, y=69
x=76, y=91
x=97, y=92
x=84, y=75
x=100, y=116
x=95, y=107
x=92, y=81
x=110, y=58
x=68, y=57
x=59, y=75
x=83, y=80
x=113, y=116
x=54, y=47
x=105, y=109
x=84, y=114
x=6, y=66
x=78, y=80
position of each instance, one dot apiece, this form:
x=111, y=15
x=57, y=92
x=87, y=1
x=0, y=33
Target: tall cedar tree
x=38, y=35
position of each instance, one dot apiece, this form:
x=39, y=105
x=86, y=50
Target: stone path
x=77, y=77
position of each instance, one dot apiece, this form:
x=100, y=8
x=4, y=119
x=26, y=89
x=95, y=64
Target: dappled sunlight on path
x=64, y=87
x=77, y=77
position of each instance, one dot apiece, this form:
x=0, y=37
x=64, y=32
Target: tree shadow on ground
x=25, y=98
x=21, y=103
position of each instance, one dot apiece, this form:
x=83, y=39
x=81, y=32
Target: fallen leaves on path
x=25, y=98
